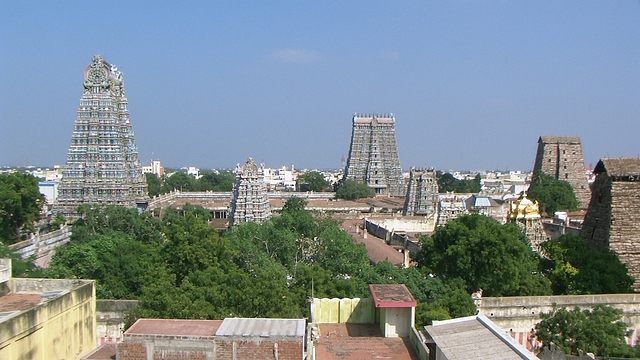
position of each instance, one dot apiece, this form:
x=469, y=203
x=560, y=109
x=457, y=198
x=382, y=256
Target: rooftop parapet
x=5, y=270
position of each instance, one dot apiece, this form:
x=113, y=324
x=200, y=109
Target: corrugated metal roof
x=251, y=327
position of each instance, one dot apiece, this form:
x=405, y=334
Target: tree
x=20, y=205
x=597, y=331
x=448, y=183
x=351, y=190
x=154, y=184
x=553, y=195
x=575, y=268
x=216, y=181
x=179, y=181
x=314, y=180
x=486, y=255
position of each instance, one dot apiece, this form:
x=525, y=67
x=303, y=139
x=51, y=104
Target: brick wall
x=267, y=349
x=131, y=351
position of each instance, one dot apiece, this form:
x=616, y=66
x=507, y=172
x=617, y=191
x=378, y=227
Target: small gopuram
x=561, y=157
x=250, y=201
x=526, y=214
x=373, y=155
x=102, y=163
x=422, y=194
x=612, y=217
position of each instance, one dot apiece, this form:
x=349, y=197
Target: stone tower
x=422, y=194
x=102, y=163
x=612, y=217
x=250, y=201
x=561, y=158
x=373, y=155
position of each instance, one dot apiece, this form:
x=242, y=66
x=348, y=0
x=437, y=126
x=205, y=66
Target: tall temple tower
x=250, y=201
x=612, y=217
x=422, y=193
x=373, y=155
x=102, y=163
x=561, y=158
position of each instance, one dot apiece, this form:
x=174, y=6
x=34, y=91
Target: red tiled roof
x=174, y=327
x=360, y=341
x=392, y=296
x=103, y=352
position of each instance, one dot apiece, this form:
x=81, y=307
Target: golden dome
x=524, y=208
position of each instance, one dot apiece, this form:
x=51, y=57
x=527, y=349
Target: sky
x=472, y=84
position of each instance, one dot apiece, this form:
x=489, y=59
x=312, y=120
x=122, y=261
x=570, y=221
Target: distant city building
x=250, y=201
x=102, y=163
x=450, y=206
x=279, y=179
x=561, y=157
x=612, y=217
x=155, y=168
x=373, y=155
x=422, y=193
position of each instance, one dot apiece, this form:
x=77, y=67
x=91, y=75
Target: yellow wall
x=61, y=328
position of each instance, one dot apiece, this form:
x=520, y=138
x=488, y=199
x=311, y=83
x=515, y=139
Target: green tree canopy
x=575, y=268
x=553, y=195
x=314, y=180
x=351, y=190
x=20, y=205
x=599, y=331
x=448, y=183
x=486, y=255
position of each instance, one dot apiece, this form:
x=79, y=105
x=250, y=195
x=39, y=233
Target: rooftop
x=619, y=167
x=174, y=327
x=253, y=327
x=360, y=341
x=392, y=296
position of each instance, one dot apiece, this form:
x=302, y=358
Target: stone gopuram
x=250, y=201
x=102, y=164
x=373, y=155
x=612, y=217
x=561, y=157
x=422, y=194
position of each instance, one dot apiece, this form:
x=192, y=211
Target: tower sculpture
x=373, y=155
x=561, y=158
x=250, y=201
x=526, y=214
x=102, y=164
x=612, y=217
x=422, y=193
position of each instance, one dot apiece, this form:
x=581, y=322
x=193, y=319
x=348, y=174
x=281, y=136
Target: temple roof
x=560, y=139
x=620, y=167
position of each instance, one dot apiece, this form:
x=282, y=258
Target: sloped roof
x=475, y=337
x=560, y=139
x=254, y=327
x=619, y=167
x=391, y=296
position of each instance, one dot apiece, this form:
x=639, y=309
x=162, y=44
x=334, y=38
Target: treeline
x=448, y=183
x=208, y=181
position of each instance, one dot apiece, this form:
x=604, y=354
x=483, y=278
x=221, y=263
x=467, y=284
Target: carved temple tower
x=102, y=164
x=373, y=155
x=422, y=194
x=250, y=201
x=612, y=217
x=526, y=214
x=561, y=158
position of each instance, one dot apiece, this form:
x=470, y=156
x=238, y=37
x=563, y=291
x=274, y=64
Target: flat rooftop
x=360, y=341
x=174, y=327
x=19, y=301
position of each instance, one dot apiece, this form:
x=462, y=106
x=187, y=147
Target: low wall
x=391, y=237
x=554, y=230
x=41, y=245
x=519, y=315
x=111, y=318
x=357, y=311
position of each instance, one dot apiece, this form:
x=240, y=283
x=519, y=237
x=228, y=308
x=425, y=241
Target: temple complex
x=102, y=163
x=561, y=158
x=422, y=193
x=526, y=214
x=612, y=217
x=373, y=155
x=250, y=201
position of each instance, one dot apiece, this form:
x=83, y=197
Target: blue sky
x=472, y=84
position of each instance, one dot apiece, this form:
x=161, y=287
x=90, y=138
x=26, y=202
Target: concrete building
x=231, y=338
x=612, y=217
x=561, y=157
x=154, y=168
x=280, y=179
x=422, y=194
x=43, y=319
x=102, y=163
x=250, y=201
x=373, y=155
x=50, y=191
